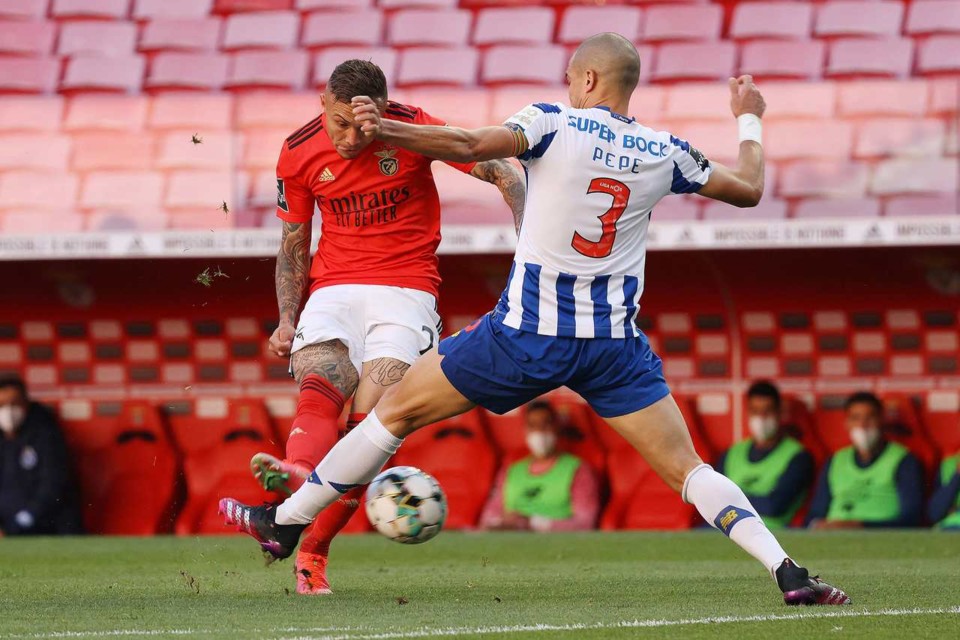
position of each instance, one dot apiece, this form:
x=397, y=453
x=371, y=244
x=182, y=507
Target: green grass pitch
x=598, y=585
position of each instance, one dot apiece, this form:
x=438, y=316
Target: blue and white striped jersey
x=593, y=178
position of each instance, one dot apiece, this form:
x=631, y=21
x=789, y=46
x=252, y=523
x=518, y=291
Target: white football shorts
x=373, y=321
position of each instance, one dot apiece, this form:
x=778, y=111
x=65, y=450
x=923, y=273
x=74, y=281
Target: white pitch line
x=627, y=624
x=354, y=633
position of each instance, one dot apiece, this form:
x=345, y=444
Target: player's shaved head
x=612, y=56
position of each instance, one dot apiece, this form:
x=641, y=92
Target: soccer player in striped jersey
x=371, y=290
x=567, y=315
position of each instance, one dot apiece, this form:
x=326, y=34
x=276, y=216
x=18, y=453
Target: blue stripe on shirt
x=680, y=182
x=530, y=298
x=631, y=285
x=601, y=308
x=504, y=303
x=566, y=306
x=538, y=149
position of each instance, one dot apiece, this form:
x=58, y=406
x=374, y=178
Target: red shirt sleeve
x=295, y=202
x=425, y=118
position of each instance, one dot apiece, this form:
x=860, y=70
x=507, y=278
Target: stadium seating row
x=176, y=462
x=825, y=344
x=160, y=49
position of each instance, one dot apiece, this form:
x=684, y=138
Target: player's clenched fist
x=282, y=340
x=367, y=115
x=745, y=97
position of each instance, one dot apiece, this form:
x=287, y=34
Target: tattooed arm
x=292, y=275
x=507, y=178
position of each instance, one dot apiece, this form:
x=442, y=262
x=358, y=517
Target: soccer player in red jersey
x=372, y=286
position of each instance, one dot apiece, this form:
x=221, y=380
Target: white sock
x=355, y=460
x=724, y=506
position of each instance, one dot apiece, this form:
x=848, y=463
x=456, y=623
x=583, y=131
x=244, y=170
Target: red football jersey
x=380, y=212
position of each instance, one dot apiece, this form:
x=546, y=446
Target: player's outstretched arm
x=508, y=179
x=741, y=186
x=291, y=276
x=443, y=143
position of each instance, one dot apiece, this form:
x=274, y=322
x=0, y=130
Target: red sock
x=335, y=517
x=315, y=427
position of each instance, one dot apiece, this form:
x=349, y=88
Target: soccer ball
x=406, y=505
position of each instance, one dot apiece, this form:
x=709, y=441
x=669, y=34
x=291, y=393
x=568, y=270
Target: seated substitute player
x=371, y=307
x=872, y=483
x=773, y=469
x=944, y=508
x=567, y=315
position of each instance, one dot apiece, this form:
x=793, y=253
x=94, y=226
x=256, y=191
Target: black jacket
x=35, y=477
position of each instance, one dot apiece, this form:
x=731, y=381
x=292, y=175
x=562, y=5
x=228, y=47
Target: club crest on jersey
x=388, y=164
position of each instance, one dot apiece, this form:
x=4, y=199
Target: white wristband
x=750, y=127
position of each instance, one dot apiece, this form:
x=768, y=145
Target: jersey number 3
x=621, y=196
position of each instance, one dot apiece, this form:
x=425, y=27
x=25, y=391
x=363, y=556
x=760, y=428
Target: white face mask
x=864, y=439
x=762, y=428
x=541, y=443
x=10, y=417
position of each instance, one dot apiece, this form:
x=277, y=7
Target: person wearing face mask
x=872, y=483
x=35, y=495
x=773, y=469
x=944, y=507
x=546, y=491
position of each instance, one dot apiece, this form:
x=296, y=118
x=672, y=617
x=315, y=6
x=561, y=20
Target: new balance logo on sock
x=326, y=175
x=730, y=516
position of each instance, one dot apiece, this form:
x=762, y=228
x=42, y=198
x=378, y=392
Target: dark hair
x=864, y=397
x=13, y=380
x=764, y=389
x=357, y=78
x=542, y=405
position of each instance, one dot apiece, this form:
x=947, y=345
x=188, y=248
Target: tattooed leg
x=331, y=361
x=377, y=376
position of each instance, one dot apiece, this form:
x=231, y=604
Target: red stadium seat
x=23, y=8
x=903, y=425
x=305, y=5
x=186, y=34
x=676, y=209
x=280, y=69
x=120, y=73
x=868, y=57
x=802, y=59
x=31, y=113
x=189, y=71
x=829, y=423
x=166, y=9
x=40, y=222
x=30, y=38
x=578, y=425
x=123, y=190
x=30, y=190
x=90, y=8
x=218, y=437
x=177, y=151
x=87, y=112
x=113, y=39
x=798, y=422
x=941, y=415
x=403, y=4
x=440, y=66
x=899, y=137
x=507, y=434
x=933, y=16
x=328, y=59
x=275, y=109
x=126, y=466
x=789, y=140
x=270, y=29
x=882, y=97
x=699, y=61
x=414, y=27
x=670, y=22
x=34, y=151
x=197, y=189
x=851, y=18
x=944, y=204
x=822, y=178
x=768, y=209
x=458, y=454
x=915, y=175
x=460, y=107
x=579, y=23
x=240, y=6
x=131, y=221
x=520, y=25
x=799, y=99
x=189, y=110
x=939, y=54
x=29, y=75
x=327, y=28
x=771, y=20
x=837, y=208
x=531, y=65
